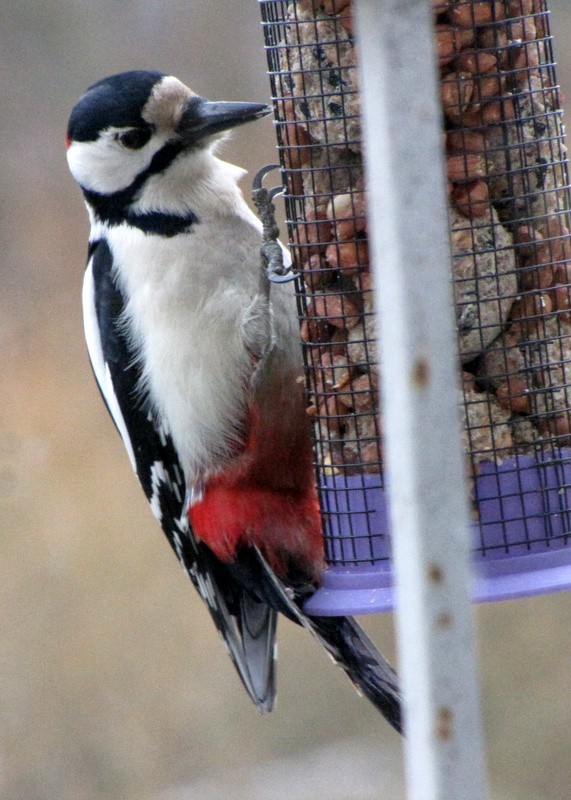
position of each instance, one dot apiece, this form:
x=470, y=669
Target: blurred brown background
x=113, y=683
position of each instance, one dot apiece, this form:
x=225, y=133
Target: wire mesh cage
x=508, y=194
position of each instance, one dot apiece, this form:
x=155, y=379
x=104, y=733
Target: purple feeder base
x=521, y=544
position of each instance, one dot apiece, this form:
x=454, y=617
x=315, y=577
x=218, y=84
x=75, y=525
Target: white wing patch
x=159, y=476
x=206, y=589
x=100, y=367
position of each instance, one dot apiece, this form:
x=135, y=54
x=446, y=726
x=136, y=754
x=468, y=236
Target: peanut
x=365, y=284
x=329, y=369
x=562, y=273
x=540, y=19
x=333, y=410
x=346, y=21
x=316, y=273
x=348, y=257
x=314, y=330
x=314, y=234
x=462, y=168
x=476, y=62
x=439, y=6
x=528, y=313
x=472, y=199
x=526, y=59
x=495, y=39
x=348, y=215
x=536, y=278
x=471, y=15
x=489, y=114
x=334, y=6
x=513, y=395
x=365, y=393
x=456, y=93
x=487, y=89
x=450, y=40
x=526, y=238
x=557, y=238
x=466, y=142
x=338, y=310
x=561, y=298
x=520, y=8
x=297, y=150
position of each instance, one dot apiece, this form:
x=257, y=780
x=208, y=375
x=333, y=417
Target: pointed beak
x=202, y=118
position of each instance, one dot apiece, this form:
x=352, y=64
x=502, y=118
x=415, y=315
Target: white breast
x=187, y=297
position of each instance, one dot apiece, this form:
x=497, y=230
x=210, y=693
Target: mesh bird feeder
x=511, y=267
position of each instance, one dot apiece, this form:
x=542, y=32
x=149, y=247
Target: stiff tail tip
x=371, y=674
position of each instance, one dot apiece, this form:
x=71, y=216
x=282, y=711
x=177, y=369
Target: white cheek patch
x=102, y=167
x=105, y=166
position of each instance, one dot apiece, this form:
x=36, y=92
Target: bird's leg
x=258, y=324
x=272, y=252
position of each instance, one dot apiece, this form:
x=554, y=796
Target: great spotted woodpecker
x=198, y=361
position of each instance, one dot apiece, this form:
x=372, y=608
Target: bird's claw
x=258, y=181
x=271, y=251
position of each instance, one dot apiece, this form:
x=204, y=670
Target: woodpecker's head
x=130, y=127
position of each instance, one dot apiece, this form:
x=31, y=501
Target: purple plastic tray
x=522, y=543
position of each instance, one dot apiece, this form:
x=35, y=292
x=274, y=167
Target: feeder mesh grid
x=511, y=258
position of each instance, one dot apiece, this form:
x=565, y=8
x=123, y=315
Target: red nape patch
x=282, y=524
x=67, y=141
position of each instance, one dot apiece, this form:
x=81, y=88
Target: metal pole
x=409, y=237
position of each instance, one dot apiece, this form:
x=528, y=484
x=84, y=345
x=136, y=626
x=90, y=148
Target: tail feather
x=371, y=674
x=257, y=625
x=247, y=625
x=344, y=640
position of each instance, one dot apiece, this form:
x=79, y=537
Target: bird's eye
x=135, y=138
